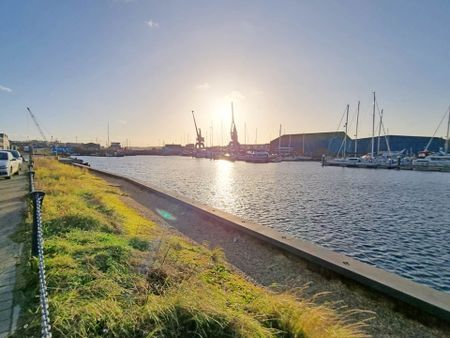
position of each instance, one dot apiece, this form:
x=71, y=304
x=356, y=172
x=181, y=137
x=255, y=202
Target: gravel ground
x=274, y=268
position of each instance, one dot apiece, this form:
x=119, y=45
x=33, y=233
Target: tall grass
x=113, y=273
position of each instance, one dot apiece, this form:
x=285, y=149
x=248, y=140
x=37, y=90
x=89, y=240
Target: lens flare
x=166, y=215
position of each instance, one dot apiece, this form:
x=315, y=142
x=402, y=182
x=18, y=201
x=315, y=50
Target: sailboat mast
x=346, y=129
x=212, y=134
x=448, y=132
x=379, y=132
x=279, y=140
x=245, y=132
x=107, y=142
x=373, y=126
x=303, y=144
x=356, y=134
x=232, y=117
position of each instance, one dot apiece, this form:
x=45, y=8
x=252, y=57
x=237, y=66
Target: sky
x=143, y=66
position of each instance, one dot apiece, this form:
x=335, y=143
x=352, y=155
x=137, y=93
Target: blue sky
x=144, y=65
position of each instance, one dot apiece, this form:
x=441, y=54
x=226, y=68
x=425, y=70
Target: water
x=396, y=220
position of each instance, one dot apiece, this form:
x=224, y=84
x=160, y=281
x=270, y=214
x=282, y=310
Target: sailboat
x=345, y=161
x=379, y=159
x=370, y=160
x=439, y=161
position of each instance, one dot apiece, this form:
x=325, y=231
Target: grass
x=113, y=273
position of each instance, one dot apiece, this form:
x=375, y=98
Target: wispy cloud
x=235, y=95
x=122, y=121
x=5, y=89
x=203, y=86
x=152, y=24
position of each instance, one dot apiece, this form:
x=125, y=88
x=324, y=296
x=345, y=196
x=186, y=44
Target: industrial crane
x=37, y=125
x=234, y=143
x=200, y=141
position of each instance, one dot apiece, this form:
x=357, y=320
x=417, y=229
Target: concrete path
x=13, y=194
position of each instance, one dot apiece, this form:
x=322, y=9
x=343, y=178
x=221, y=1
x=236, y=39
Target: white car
x=18, y=157
x=8, y=164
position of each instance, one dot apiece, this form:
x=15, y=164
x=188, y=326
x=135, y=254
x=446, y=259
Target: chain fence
x=37, y=250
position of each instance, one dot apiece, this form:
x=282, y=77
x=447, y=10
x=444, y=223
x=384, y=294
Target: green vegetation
x=113, y=273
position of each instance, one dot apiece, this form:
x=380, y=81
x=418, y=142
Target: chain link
x=38, y=197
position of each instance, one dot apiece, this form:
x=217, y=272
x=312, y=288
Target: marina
x=241, y=169
x=377, y=158
x=405, y=232
x=388, y=159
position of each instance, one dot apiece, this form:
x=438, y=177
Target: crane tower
x=37, y=124
x=234, y=143
x=200, y=140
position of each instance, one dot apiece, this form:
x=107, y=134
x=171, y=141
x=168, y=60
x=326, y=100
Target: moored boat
x=257, y=157
x=434, y=162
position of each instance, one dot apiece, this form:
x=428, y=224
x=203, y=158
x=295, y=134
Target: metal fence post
x=38, y=197
x=31, y=178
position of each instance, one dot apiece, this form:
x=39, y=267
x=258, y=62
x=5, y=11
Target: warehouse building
x=309, y=144
x=330, y=143
x=410, y=144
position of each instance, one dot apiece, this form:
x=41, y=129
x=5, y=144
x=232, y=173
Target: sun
x=222, y=111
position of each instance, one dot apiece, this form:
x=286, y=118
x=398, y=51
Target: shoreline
x=269, y=266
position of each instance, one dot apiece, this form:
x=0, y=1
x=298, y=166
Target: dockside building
x=330, y=143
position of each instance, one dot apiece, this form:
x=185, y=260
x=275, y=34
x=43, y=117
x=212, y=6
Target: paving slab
x=5, y=314
x=6, y=305
x=4, y=326
x=6, y=288
x=13, y=195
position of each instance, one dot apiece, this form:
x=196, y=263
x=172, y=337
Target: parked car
x=8, y=164
x=16, y=154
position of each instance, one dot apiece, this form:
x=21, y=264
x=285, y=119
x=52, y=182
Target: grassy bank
x=113, y=273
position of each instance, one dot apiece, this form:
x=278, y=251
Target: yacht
x=257, y=157
x=435, y=162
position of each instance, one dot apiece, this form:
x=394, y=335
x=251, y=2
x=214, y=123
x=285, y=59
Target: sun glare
x=222, y=111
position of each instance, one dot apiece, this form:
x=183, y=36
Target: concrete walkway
x=13, y=194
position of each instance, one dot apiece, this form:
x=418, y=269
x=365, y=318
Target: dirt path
x=270, y=266
x=13, y=194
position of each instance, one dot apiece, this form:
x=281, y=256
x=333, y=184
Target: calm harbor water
x=396, y=220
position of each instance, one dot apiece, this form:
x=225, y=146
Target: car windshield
x=15, y=153
x=3, y=156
